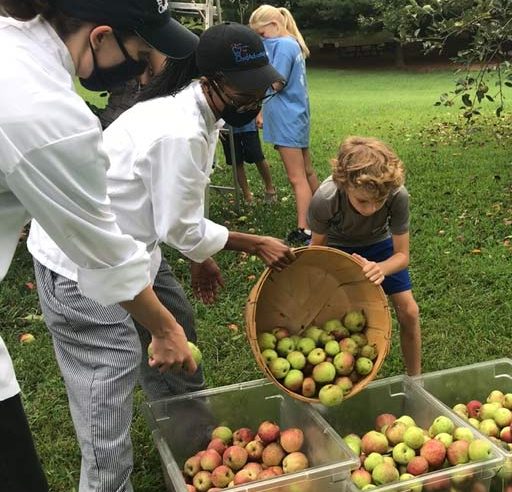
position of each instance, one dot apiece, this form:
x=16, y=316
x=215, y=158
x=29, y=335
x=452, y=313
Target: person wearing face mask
x=161, y=153
x=52, y=168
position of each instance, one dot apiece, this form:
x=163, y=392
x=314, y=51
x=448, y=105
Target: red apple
x=474, y=408
x=273, y=454
x=383, y=419
x=291, y=439
x=218, y=445
x=210, y=460
x=254, y=450
x=243, y=436
x=235, y=457
x=202, y=481
x=268, y=431
x=244, y=476
x=417, y=466
x=434, y=452
x=221, y=476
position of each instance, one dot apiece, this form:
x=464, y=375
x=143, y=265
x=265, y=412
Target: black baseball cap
x=150, y=19
x=238, y=53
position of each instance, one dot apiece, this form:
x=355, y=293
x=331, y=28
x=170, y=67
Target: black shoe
x=298, y=237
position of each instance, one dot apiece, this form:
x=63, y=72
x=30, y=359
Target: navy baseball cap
x=150, y=19
x=238, y=53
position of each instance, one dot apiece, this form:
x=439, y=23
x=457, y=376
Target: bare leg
x=310, y=172
x=293, y=160
x=407, y=313
x=242, y=181
x=264, y=170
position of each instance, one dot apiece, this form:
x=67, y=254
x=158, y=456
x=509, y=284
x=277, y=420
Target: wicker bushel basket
x=323, y=283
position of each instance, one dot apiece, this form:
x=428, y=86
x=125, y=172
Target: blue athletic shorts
x=392, y=284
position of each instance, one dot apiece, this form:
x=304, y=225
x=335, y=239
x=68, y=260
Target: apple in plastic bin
x=385, y=473
x=235, y=457
x=294, y=462
x=221, y=476
x=374, y=442
x=268, y=431
x=222, y=432
x=291, y=439
x=202, y=481
x=479, y=450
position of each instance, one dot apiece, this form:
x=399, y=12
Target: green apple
x=330, y=395
x=441, y=424
x=293, y=380
x=479, y=450
x=306, y=345
x=354, y=321
x=296, y=359
x=285, y=346
x=414, y=437
x=445, y=438
x=266, y=340
x=313, y=332
x=372, y=460
x=269, y=354
x=353, y=441
x=364, y=366
x=407, y=420
x=196, y=353
x=332, y=325
x=332, y=348
x=279, y=367
x=462, y=434
x=402, y=453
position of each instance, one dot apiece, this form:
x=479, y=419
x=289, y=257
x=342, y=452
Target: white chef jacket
x=53, y=168
x=161, y=153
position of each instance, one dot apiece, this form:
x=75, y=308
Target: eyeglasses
x=239, y=106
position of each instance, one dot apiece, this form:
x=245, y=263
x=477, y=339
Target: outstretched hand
x=274, y=252
x=206, y=280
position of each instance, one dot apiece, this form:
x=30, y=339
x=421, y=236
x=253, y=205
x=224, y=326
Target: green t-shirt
x=331, y=213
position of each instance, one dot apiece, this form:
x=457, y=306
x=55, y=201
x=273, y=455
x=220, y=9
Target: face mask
x=109, y=78
x=235, y=119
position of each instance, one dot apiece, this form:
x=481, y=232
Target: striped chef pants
x=98, y=350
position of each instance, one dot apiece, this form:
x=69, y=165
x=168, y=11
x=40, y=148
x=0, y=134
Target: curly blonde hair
x=368, y=164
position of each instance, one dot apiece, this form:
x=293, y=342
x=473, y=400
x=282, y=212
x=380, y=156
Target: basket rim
x=250, y=322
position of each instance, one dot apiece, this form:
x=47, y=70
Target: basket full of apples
x=319, y=329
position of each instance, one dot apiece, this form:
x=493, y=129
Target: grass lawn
x=460, y=262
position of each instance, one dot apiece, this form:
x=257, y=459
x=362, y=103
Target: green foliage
x=486, y=25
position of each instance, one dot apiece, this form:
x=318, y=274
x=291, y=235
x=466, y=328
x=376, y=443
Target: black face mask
x=235, y=119
x=102, y=79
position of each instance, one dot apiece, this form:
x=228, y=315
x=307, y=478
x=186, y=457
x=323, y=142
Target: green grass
x=460, y=258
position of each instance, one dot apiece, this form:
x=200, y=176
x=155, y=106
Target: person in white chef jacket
x=52, y=168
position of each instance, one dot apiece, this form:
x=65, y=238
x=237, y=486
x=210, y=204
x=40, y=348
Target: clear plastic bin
x=181, y=426
x=473, y=382
x=401, y=396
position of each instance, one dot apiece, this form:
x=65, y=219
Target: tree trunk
x=399, y=55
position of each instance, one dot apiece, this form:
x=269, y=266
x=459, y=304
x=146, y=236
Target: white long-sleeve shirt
x=161, y=154
x=53, y=168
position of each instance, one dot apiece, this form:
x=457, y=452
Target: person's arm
x=318, y=239
x=273, y=252
x=175, y=173
x=168, y=339
x=377, y=271
x=63, y=186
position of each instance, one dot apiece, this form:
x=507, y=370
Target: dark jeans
x=20, y=469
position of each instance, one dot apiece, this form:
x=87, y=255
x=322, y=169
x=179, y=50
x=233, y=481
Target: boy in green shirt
x=363, y=209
